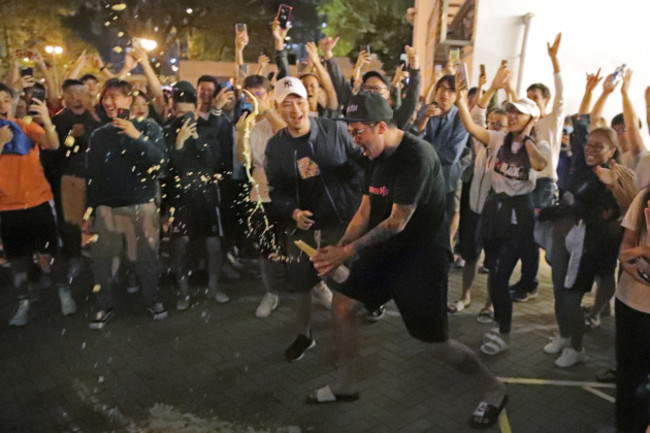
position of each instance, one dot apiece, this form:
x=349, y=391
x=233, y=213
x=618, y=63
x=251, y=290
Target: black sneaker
x=100, y=319
x=523, y=296
x=300, y=345
x=158, y=311
x=376, y=315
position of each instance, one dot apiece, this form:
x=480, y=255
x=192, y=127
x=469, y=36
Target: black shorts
x=28, y=231
x=197, y=219
x=301, y=274
x=415, y=279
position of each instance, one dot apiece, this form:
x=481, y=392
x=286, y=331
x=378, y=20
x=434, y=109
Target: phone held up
x=26, y=72
x=123, y=113
x=284, y=15
x=462, y=76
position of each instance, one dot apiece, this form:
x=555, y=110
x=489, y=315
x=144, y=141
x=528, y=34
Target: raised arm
x=592, y=82
x=241, y=40
x=323, y=76
x=363, y=59
x=340, y=82
x=609, y=84
x=409, y=104
x=279, y=35
x=478, y=132
x=75, y=71
x=632, y=129
x=53, y=94
x=154, y=84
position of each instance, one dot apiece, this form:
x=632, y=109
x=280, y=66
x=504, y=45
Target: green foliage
x=378, y=23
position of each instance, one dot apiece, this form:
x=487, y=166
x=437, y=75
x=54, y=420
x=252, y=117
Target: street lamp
x=54, y=50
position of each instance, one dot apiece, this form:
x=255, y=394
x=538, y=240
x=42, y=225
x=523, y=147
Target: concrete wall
x=595, y=33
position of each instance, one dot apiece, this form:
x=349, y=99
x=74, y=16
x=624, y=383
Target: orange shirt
x=22, y=180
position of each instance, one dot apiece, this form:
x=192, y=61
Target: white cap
x=288, y=86
x=525, y=106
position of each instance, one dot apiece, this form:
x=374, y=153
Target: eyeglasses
x=373, y=89
x=620, y=129
x=494, y=125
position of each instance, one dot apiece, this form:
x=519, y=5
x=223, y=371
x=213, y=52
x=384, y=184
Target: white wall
x=595, y=33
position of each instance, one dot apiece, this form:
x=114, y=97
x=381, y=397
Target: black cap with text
x=367, y=107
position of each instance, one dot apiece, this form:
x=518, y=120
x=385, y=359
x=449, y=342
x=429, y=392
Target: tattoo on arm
x=394, y=224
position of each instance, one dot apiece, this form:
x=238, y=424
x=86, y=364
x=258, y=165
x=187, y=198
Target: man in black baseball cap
x=397, y=248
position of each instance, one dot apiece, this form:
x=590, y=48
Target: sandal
x=485, y=316
x=326, y=395
x=457, y=306
x=493, y=344
x=486, y=414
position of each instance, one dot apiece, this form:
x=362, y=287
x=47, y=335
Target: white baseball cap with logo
x=525, y=106
x=288, y=86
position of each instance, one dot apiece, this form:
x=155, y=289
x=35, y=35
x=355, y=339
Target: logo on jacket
x=382, y=190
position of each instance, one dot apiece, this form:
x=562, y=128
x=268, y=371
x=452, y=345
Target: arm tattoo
x=388, y=228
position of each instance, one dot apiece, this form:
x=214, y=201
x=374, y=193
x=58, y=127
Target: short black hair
x=620, y=120
x=253, y=81
x=449, y=79
x=377, y=74
x=115, y=83
x=546, y=93
x=208, y=79
x=87, y=77
x=471, y=92
x=8, y=90
x=71, y=82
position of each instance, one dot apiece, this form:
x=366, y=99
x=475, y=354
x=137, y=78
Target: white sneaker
x=268, y=303
x=322, y=295
x=68, y=305
x=557, y=344
x=570, y=357
x=20, y=318
x=221, y=297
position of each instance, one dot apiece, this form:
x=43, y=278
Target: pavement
x=218, y=368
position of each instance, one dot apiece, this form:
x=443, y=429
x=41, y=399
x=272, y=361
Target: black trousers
x=633, y=368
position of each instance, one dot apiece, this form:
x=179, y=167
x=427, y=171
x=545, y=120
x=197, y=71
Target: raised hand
x=187, y=130
x=627, y=79
x=593, y=80
x=127, y=127
x=412, y=55
x=5, y=136
x=224, y=97
x=609, y=85
x=262, y=62
x=553, y=49
x=312, y=52
x=279, y=34
x=241, y=40
x=398, y=78
x=327, y=45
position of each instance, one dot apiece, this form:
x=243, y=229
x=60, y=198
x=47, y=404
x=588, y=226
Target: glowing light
x=148, y=44
x=119, y=7
x=58, y=50
x=189, y=11
x=49, y=49
x=173, y=60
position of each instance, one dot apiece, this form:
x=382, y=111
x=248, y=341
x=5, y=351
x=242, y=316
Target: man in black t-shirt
x=400, y=250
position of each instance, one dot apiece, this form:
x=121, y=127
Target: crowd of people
x=393, y=185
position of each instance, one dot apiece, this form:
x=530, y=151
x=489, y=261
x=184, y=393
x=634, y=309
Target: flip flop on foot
x=485, y=316
x=326, y=395
x=486, y=414
x=457, y=306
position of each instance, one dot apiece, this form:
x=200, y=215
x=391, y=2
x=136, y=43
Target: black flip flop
x=486, y=415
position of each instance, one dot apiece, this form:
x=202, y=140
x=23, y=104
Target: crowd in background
x=109, y=167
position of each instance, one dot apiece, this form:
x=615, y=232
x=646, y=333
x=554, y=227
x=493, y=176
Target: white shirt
x=549, y=129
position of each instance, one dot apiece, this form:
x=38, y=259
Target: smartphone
x=504, y=62
x=24, y=72
x=454, y=56
x=246, y=107
x=482, y=69
x=461, y=75
x=240, y=28
x=437, y=69
x=284, y=15
x=366, y=48
x=188, y=115
x=38, y=93
x=123, y=113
